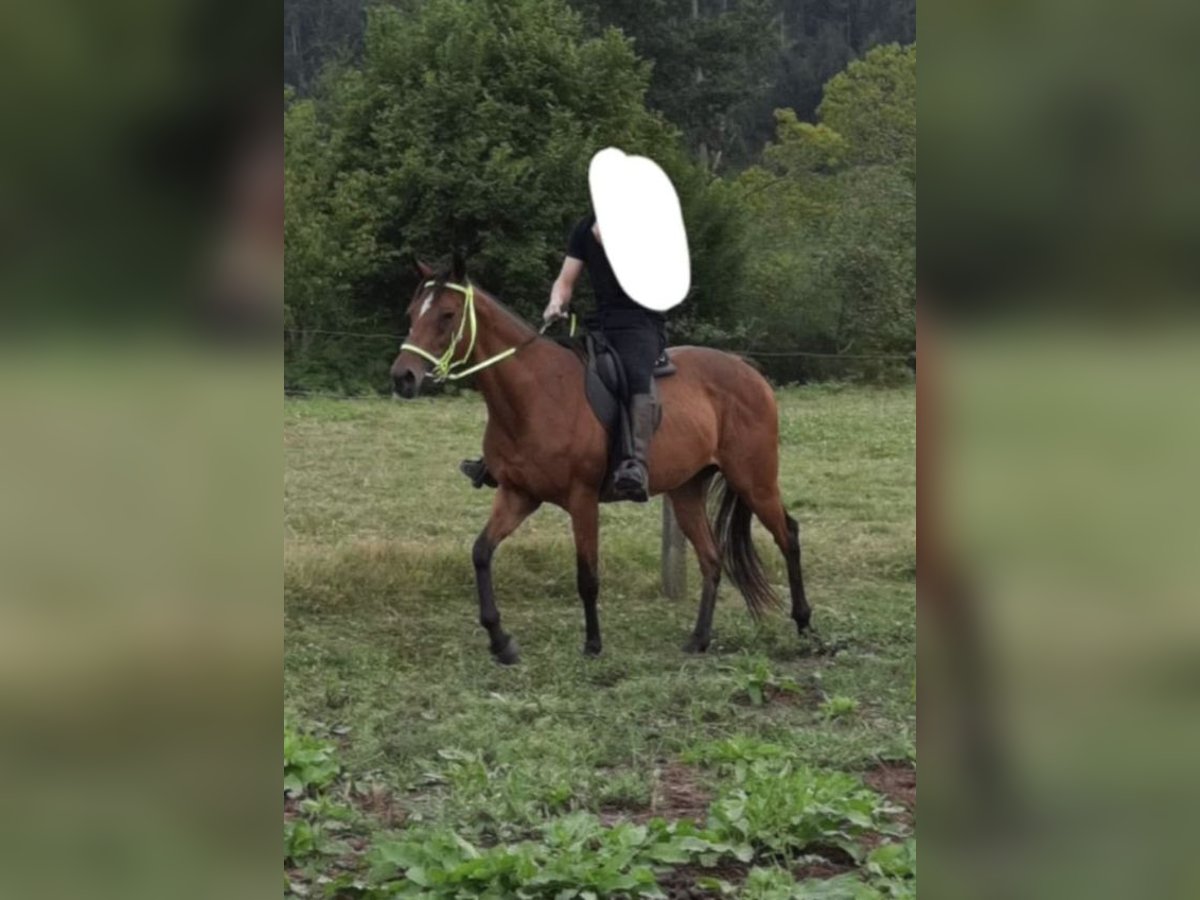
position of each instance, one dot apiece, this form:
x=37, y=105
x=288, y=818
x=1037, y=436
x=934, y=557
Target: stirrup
x=631, y=481
x=477, y=471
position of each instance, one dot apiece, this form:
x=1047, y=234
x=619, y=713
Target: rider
x=636, y=334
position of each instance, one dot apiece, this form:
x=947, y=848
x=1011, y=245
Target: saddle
x=604, y=381
x=604, y=385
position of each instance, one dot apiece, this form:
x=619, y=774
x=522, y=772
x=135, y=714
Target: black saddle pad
x=604, y=381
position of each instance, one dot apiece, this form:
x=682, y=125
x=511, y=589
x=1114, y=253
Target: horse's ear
x=423, y=270
x=458, y=266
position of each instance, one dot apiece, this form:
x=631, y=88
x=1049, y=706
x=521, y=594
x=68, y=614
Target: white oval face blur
x=639, y=216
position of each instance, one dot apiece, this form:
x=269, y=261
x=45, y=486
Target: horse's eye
x=448, y=315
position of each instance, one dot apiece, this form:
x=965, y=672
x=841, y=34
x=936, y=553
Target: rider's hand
x=555, y=309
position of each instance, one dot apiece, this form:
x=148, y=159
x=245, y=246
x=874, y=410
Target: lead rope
x=444, y=366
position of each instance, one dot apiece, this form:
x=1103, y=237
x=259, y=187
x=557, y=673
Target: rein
x=446, y=367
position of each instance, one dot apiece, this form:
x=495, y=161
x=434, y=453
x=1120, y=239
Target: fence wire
x=749, y=351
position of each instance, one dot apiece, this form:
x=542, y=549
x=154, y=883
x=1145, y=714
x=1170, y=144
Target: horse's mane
x=508, y=312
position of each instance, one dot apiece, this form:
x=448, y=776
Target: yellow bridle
x=446, y=367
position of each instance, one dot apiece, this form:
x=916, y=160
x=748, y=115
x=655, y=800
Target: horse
x=543, y=444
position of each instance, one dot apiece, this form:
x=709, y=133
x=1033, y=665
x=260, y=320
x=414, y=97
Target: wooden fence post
x=674, y=555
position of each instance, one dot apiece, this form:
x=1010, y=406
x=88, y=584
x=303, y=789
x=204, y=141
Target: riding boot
x=631, y=480
x=477, y=471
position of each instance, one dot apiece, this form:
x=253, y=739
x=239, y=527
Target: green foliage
x=839, y=706
x=873, y=104
x=776, y=803
x=515, y=793
x=309, y=768
x=896, y=860
x=711, y=71
x=316, y=832
x=784, y=810
x=574, y=857
x=718, y=68
x=802, y=149
x=738, y=751
x=308, y=763
x=467, y=125
x=757, y=682
x=831, y=215
x=871, y=262
x=778, y=884
x=890, y=870
x=298, y=839
x=577, y=857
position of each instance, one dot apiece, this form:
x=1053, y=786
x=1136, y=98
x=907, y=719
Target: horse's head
x=435, y=317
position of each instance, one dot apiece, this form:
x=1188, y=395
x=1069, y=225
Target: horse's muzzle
x=406, y=382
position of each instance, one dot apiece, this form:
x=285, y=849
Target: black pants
x=638, y=338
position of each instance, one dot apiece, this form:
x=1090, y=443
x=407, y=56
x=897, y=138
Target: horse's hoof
x=696, y=645
x=591, y=648
x=508, y=655
x=802, y=621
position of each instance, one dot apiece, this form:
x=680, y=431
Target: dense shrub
x=469, y=126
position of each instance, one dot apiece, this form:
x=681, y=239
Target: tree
x=470, y=126
x=832, y=217
x=719, y=66
x=315, y=31
x=873, y=104
x=711, y=67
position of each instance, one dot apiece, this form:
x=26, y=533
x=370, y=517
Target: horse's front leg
x=509, y=509
x=585, y=522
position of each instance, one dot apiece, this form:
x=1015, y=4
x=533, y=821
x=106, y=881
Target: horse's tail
x=731, y=527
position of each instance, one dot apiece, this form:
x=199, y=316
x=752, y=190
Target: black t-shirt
x=610, y=296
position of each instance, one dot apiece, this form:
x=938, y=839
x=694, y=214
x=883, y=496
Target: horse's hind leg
x=688, y=503
x=762, y=496
x=509, y=509
x=801, y=611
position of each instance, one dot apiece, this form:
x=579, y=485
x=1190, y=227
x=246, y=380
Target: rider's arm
x=564, y=287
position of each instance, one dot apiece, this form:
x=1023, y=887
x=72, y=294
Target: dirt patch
x=680, y=883
x=896, y=780
x=380, y=804
x=374, y=801
x=821, y=861
x=804, y=696
x=677, y=794
x=822, y=868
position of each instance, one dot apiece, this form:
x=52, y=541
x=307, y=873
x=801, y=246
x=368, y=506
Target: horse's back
x=713, y=401
x=721, y=375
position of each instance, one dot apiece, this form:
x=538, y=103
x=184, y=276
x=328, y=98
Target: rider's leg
x=638, y=348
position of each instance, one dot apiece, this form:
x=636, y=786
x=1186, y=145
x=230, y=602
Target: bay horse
x=543, y=444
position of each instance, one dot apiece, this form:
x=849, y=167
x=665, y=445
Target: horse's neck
x=516, y=387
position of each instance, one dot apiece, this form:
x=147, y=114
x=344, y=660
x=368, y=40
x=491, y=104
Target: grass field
x=419, y=767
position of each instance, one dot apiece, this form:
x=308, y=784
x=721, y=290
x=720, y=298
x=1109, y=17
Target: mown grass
x=382, y=646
